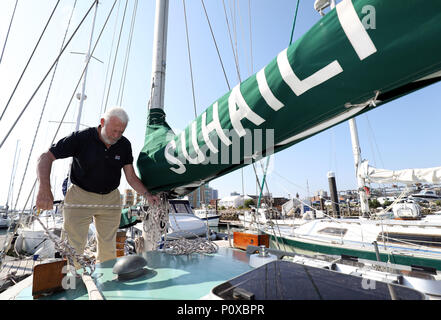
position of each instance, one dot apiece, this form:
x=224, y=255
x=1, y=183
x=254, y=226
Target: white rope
x=155, y=226
x=68, y=252
x=188, y=246
x=88, y=206
x=86, y=262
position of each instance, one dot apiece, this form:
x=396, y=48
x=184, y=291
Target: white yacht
x=182, y=222
x=5, y=221
x=210, y=215
x=426, y=194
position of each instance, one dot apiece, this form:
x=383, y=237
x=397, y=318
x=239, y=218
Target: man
x=99, y=154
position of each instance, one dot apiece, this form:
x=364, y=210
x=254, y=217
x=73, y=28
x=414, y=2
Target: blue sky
x=398, y=135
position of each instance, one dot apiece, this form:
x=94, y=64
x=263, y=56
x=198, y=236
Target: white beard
x=106, y=138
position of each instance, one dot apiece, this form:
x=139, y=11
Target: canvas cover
x=362, y=54
x=406, y=176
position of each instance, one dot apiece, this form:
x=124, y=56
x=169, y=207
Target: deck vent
x=130, y=267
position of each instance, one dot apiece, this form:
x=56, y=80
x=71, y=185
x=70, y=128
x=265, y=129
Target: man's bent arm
x=137, y=184
x=45, y=198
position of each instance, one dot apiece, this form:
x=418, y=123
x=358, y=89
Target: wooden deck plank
x=16, y=269
x=20, y=267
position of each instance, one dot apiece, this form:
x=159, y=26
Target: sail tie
x=369, y=103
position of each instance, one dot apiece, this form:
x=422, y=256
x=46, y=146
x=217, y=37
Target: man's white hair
x=118, y=112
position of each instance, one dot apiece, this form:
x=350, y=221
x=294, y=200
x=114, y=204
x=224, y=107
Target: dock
x=232, y=223
x=14, y=270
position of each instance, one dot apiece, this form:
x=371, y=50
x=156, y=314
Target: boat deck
x=169, y=277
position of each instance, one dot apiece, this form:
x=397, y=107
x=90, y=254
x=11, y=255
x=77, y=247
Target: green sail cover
x=126, y=221
x=362, y=54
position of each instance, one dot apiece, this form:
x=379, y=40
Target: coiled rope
x=155, y=226
x=155, y=221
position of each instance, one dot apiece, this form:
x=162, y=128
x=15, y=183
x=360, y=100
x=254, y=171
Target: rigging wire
x=9, y=241
x=374, y=140
x=294, y=22
x=13, y=171
x=215, y=43
x=251, y=38
x=236, y=60
x=44, y=106
x=264, y=183
x=234, y=25
x=29, y=60
x=231, y=43
x=47, y=74
x=375, y=148
x=189, y=60
x=126, y=60
x=242, y=34
x=116, y=56
x=9, y=29
x=110, y=57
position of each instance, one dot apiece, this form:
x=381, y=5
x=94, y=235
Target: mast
x=81, y=96
x=364, y=205
x=159, y=54
x=11, y=181
x=158, y=69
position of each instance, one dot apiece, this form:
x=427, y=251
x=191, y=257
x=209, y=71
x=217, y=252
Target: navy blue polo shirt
x=95, y=168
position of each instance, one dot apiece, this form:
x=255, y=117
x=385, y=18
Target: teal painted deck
x=170, y=277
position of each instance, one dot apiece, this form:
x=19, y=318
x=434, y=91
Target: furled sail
x=345, y=65
x=406, y=176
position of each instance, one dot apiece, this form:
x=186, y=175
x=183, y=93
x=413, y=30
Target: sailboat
x=407, y=238
x=315, y=84
x=414, y=242
x=5, y=221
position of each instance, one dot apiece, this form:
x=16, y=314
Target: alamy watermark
x=369, y=20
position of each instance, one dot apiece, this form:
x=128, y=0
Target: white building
x=233, y=201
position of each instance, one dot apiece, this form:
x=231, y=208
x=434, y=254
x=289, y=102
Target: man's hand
x=45, y=199
x=137, y=184
x=152, y=200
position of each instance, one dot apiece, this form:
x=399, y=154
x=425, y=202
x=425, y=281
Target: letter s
x=173, y=160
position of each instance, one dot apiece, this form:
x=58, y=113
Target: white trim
x=298, y=86
x=15, y=290
x=184, y=150
x=194, y=140
x=214, y=125
x=354, y=30
x=172, y=159
x=322, y=126
x=236, y=115
x=266, y=92
x=430, y=76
